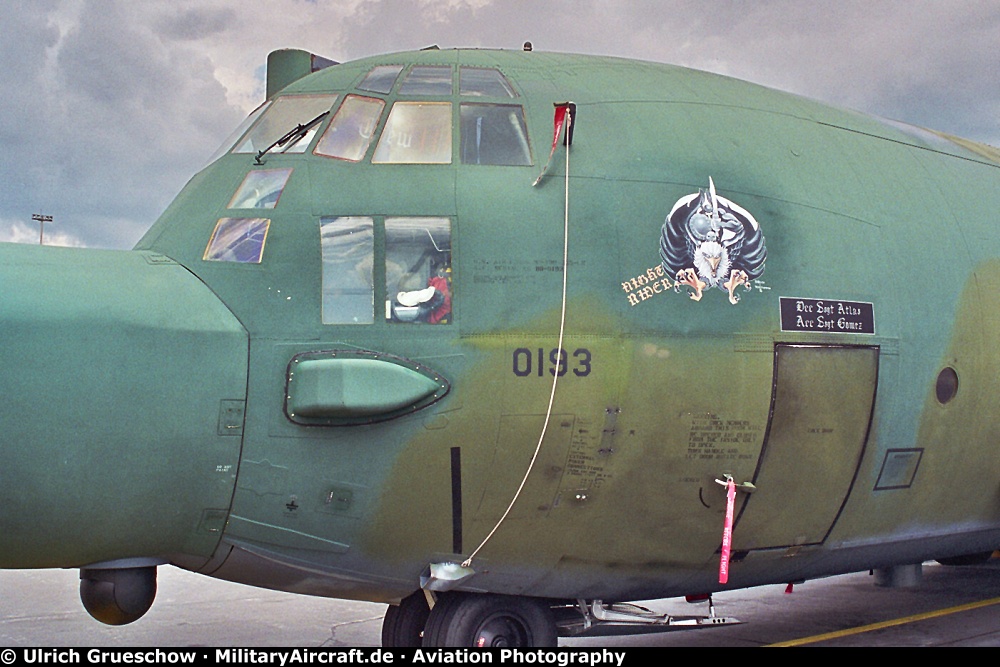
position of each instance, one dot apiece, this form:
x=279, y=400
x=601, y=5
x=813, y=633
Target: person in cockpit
x=431, y=304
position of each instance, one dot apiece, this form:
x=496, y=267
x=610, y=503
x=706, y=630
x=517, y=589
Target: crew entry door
x=821, y=411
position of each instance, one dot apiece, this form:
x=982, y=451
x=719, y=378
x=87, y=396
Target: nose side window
x=238, y=240
x=418, y=279
x=348, y=247
x=261, y=189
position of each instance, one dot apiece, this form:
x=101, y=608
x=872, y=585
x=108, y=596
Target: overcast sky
x=108, y=107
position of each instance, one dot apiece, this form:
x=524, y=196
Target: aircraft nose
x=117, y=370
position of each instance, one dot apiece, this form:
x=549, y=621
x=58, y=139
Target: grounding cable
x=555, y=376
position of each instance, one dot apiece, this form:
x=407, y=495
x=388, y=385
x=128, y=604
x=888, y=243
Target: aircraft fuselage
x=321, y=432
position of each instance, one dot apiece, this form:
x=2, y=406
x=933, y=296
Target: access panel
x=821, y=411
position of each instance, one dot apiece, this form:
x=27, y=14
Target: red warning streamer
x=727, y=531
x=559, y=123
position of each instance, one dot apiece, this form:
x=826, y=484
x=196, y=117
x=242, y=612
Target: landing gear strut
x=477, y=620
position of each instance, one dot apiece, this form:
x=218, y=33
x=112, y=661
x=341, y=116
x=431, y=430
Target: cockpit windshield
x=351, y=130
x=285, y=114
x=416, y=132
x=391, y=115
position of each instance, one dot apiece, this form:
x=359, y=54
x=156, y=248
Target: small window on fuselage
x=348, y=269
x=238, y=240
x=418, y=270
x=261, y=189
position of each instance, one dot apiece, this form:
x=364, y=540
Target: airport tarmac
x=952, y=606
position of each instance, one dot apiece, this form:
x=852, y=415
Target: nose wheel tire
x=403, y=625
x=490, y=621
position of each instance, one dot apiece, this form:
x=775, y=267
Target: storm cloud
x=107, y=108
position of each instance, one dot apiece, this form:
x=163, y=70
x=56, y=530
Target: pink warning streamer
x=727, y=532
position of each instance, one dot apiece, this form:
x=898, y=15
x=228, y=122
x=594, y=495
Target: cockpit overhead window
x=381, y=79
x=238, y=240
x=351, y=130
x=418, y=270
x=416, y=133
x=427, y=80
x=284, y=115
x=261, y=189
x=494, y=134
x=484, y=82
x=348, y=270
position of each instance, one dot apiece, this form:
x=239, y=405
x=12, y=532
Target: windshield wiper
x=292, y=135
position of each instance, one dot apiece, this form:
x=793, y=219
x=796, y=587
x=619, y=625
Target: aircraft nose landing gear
x=487, y=620
x=470, y=620
x=403, y=625
x=501, y=631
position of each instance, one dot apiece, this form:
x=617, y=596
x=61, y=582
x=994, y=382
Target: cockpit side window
x=284, y=115
x=348, y=270
x=416, y=133
x=418, y=270
x=494, y=134
x=238, y=240
x=351, y=130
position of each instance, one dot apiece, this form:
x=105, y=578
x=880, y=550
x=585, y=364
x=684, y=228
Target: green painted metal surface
x=659, y=394
x=123, y=382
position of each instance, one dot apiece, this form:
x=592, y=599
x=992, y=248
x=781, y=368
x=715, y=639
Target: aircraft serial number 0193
x=525, y=362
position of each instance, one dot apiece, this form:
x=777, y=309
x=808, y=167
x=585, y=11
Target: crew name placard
x=827, y=316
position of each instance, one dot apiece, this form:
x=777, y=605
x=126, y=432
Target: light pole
x=41, y=220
